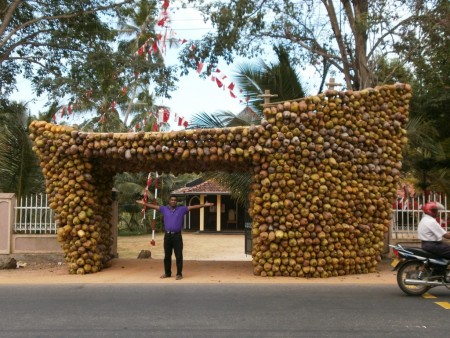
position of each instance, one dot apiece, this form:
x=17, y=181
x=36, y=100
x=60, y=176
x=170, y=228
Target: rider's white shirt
x=429, y=229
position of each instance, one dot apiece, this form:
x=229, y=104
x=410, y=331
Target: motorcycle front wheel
x=412, y=270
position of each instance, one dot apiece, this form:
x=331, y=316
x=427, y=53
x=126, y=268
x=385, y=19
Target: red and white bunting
x=160, y=44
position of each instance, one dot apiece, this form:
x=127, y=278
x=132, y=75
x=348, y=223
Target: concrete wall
x=11, y=243
x=35, y=244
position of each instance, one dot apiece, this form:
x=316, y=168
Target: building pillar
x=219, y=213
x=202, y=213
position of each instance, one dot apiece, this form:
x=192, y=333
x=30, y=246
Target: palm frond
x=205, y=120
x=231, y=120
x=237, y=182
x=422, y=134
x=19, y=167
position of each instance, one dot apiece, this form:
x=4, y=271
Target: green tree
x=137, y=29
x=126, y=79
x=427, y=155
x=41, y=40
x=347, y=35
x=19, y=167
x=75, y=53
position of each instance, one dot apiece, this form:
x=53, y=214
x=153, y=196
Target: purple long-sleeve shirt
x=173, y=218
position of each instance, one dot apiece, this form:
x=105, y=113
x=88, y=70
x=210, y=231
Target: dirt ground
x=208, y=258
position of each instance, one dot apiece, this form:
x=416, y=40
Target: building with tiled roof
x=225, y=215
x=208, y=187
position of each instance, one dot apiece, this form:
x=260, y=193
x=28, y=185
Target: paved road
x=215, y=310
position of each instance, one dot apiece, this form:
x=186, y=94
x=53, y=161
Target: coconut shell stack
x=325, y=172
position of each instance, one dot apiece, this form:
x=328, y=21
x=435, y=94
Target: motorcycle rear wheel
x=412, y=270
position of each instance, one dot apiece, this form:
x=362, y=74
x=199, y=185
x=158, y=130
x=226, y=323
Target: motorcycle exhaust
x=423, y=282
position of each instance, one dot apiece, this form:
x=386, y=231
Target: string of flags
x=158, y=45
x=160, y=118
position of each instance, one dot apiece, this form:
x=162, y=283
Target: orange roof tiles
x=209, y=187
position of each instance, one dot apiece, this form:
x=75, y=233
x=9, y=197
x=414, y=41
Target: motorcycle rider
x=430, y=231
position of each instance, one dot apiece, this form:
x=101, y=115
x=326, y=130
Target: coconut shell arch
x=325, y=170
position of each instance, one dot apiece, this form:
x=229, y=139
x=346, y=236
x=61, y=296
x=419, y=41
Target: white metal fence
x=407, y=213
x=33, y=216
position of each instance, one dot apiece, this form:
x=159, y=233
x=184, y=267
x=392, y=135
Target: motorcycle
x=419, y=270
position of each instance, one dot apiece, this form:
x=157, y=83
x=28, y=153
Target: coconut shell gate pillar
x=325, y=170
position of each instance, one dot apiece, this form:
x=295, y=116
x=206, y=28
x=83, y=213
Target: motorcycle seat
x=423, y=253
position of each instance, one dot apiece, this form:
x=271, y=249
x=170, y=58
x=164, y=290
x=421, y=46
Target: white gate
x=33, y=216
x=407, y=213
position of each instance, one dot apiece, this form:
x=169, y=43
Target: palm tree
x=139, y=31
x=254, y=78
x=280, y=78
x=19, y=166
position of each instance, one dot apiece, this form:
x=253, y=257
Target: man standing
x=173, y=225
x=431, y=233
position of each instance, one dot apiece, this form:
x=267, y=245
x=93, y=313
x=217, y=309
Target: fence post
x=7, y=216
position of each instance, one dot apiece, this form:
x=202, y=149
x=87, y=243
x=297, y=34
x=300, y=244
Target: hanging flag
x=155, y=126
x=185, y=124
x=166, y=115
x=219, y=83
x=232, y=94
x=199, y=67
x=162, y=22
x=180, y=121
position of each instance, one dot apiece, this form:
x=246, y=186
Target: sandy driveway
x=209, y=258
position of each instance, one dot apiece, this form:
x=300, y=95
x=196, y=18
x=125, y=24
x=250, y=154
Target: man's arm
x=148, y=205
x=446, y=235
x=198, y=206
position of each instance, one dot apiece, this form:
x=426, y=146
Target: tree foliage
x=427, y=155
x=41, y=40
x=77, y=51
x=349, y=36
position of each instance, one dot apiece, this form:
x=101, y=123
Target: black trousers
x=438, y=248
x=173, y=243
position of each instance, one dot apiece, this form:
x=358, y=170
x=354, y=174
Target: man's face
x=173, y=202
